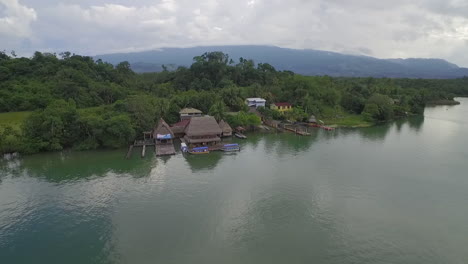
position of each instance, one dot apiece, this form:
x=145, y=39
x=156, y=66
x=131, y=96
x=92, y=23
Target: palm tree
x=218, y=110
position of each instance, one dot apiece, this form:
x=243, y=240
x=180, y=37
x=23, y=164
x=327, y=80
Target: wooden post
x=143, y=151
x=129, y=152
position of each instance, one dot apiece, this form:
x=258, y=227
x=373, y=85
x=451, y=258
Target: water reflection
x=289, y=218
x=70, y=166
x=204, y=161
x=380, y=132
x=415, y=123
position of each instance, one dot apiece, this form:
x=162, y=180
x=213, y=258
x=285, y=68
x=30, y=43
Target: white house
x=255, y=102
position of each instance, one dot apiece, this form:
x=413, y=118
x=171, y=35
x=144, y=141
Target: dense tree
x=82, y=103
x=218, y=111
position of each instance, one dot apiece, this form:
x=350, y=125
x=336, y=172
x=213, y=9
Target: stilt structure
x=163, y=137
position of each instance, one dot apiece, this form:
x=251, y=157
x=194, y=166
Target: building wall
x=281, y=108
x=188, y=116
x=255, y=103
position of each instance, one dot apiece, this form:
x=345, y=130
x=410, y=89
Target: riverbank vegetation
x=72, y=101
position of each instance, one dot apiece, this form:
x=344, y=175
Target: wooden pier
x=165, y=149
x=139, y=143
x=296, y=130
x=322, y=127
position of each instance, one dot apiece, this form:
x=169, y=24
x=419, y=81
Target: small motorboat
x=231, y=147
x=183, y=147
x=199, y=150
x=240, y=135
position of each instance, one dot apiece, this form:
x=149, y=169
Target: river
x=394, y=193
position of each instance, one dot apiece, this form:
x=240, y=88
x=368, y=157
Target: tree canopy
x=84, y=103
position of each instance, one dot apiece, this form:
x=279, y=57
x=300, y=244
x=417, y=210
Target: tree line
x=82, y=103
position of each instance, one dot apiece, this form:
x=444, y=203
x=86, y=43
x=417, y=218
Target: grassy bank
x=347, y=120
x=13, y=119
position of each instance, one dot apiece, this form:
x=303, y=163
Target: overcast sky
x=384, y=29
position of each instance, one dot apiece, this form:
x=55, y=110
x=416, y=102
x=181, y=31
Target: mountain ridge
x=304, y=61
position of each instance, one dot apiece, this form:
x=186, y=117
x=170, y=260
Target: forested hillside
x=85, y=104
x=305, y=62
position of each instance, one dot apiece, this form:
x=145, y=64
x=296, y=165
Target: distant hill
x=306, y=62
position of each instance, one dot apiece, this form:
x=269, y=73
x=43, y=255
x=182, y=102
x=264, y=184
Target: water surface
x=395, y=193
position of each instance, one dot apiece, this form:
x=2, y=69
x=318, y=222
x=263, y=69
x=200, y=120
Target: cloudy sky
x=384, y=29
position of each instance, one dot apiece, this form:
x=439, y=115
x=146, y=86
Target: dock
x=165, y=149
x=139, y=143
x=327, y=128
x=296, y=130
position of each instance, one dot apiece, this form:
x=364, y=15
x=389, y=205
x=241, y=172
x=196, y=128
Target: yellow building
x=281, y=107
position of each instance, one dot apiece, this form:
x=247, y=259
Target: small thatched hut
x=163, y=137
x=202, y=131
x=312, y=119
x=226, y=128
x=163, y=133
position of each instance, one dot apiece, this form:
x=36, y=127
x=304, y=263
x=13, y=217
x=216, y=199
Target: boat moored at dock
x=199, y=150
x=183, y=147
x=231, y=147
x=240, y=135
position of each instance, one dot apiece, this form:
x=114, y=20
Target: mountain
x=306, y=62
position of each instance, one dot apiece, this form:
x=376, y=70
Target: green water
x=396, y=193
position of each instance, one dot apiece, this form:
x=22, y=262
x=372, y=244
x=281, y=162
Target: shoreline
x=443, y=102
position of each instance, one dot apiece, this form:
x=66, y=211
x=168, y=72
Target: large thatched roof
x=225, y=127
x=201, y=126
x=163, y=129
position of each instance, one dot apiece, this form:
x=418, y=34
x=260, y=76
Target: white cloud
x=398, y=28
x=16, y=19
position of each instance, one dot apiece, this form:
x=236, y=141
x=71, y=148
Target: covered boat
x=199, y=150
x=231, y=147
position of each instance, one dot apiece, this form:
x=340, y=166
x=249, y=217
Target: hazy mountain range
x=306, y=62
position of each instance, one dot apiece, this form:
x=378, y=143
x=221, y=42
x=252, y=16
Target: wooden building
x=163, y=137
x=179, y=128
x=255, y=102
x=202, y=131
x=188, y=113
x=225, y=128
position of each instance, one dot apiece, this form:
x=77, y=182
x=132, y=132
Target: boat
x=231, y=147
x=183, y=147
x=240, y=135
x=199, y=150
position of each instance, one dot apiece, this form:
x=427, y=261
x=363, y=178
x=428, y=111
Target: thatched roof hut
x=226, y=128
x=187, y=113
x=203, y=126
x=202, y=130
x=312, y=119
x=163, y=129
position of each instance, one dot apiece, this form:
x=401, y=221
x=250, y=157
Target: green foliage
x=87, y=104
x=270, y=114
x=379, y=108
x=13, y=119
x=243, y=119
x=53, y=128
x=104, y=127
x=218, y=111
x=297, y=114
x=10, y=139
